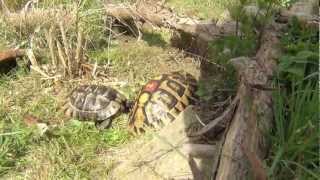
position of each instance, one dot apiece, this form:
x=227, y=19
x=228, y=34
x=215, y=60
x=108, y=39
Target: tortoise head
x=128, y=105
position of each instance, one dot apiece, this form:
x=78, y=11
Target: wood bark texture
x=254, y=116
x=11, y=55
x=155, y=15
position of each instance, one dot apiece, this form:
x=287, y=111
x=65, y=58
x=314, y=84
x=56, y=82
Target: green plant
x=13, y=146
x=295, y=137
x=205, y=9
x=220, y=52
x=301, y=57
x=251, y=18
x=294, y=153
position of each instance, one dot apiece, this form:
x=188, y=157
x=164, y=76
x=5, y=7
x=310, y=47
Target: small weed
x=230, y=47
x=220, y=52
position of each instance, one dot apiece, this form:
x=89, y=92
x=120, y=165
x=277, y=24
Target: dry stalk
x=109, y=41
x=61, y=57
x=225, y=117
x=32, y=58
x=66, y=45
x=79, y=49
x=38, y=70
x=50, y=40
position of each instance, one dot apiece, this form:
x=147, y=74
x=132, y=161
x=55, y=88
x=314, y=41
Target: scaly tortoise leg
x=103, y=125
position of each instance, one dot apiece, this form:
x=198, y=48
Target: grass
x=295, y=147
x=205, y=9
x=295, y=139
x=70, y=150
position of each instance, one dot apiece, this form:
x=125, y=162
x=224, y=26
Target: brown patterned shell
x=94, y=102
x=161, y=100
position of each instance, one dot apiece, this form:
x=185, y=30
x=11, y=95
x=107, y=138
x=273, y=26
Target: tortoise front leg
x=103, y=125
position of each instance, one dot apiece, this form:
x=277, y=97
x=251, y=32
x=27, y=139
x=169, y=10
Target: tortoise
x=161, y=100
x=96, y=102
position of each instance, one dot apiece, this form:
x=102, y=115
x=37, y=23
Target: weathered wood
x=223, y=119
x=11, y=54
x=253, y=117
x=198, y=150
x=156, y=15
x=8, y=59
x=307, y=13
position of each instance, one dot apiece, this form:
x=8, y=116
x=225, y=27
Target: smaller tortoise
x=161, y=100
x=95, y=102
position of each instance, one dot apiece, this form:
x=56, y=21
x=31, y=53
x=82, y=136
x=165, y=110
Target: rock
x=162, y=156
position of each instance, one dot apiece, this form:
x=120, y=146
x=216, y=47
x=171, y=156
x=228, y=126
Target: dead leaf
x=31, y=120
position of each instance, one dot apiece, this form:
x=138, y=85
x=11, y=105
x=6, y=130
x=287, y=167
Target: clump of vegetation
x=295, y=138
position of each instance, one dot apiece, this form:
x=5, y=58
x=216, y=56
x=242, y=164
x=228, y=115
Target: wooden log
x=11, y=54
x=253, y=117
x=307, y=13
x=198, y=150
x=8, y=59
x=159, y=16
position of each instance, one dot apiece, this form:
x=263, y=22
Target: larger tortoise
x=161, y=100
x=95, y=102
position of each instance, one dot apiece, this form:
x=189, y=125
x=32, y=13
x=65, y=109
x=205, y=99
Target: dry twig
x=225, y=117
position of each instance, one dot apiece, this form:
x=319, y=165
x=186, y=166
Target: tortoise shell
x=95, y=102
x=161, y=100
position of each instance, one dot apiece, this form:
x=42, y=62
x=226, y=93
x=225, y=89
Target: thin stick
x=50, y=40
x=79, y=50
x=94, y=70
x=66, y=48
x=224, y=117
x=38, y=70
x=61, y=57
x=32, y=57
x=109, y=42
x=199, y=150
